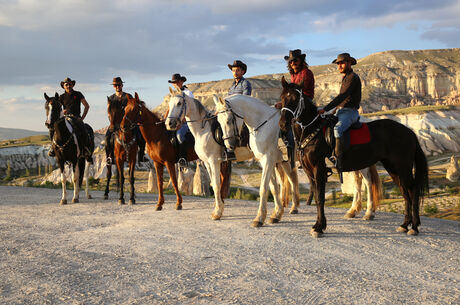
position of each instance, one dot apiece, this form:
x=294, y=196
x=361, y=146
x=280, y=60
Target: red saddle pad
x=360, y=136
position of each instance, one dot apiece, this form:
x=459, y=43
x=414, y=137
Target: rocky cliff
x=391, y=79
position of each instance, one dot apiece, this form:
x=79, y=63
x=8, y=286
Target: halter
x=236, y=133
x=302, y=141
x=183, y=109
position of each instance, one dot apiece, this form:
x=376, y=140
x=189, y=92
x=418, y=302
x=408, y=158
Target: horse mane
x=201, y=108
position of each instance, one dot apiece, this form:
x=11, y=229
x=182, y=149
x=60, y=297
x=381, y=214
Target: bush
x=92, y=181
x=237, y=193
x=430, y=209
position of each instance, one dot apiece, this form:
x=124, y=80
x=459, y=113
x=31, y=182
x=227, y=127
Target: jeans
x=346, y=116
x=182, y=132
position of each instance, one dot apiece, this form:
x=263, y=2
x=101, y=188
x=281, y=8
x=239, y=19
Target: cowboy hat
x=238, y=63
x=293, y=54
x=67, y=80
x=117, y=81
x=344, y=57
x=177, y=77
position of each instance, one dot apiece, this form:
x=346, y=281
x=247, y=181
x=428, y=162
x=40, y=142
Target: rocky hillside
x=392, y=79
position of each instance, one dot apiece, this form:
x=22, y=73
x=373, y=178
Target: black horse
x=63, y=133
x=392, y=143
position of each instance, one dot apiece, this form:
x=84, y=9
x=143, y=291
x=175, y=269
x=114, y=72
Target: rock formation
x=453, y=171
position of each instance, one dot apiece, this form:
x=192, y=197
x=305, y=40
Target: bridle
x=236, y=134
x=303, y=139
x=183, y=112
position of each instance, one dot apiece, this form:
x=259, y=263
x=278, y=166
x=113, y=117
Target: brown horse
x=159, y=147
x=392, y=143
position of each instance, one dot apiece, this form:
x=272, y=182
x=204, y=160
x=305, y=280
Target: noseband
x=183, y=109
x=236, y=133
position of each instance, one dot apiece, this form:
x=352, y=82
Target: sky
x=145, y=42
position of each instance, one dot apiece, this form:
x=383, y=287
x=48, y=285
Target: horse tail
x=421, y=174
x=285, y=186
x=376, y=186
x=225, y=178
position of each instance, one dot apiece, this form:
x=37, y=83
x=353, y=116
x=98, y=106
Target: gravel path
x=97, y=252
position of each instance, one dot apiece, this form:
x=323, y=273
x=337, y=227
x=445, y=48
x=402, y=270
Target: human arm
x=349, y=84
x=247, y=88
x=85, y=111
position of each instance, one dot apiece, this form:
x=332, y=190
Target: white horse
x=208, y=150
x=262, y=122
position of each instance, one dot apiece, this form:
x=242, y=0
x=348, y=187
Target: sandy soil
x=97, y=252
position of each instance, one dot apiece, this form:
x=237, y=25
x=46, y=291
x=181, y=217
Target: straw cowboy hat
x=293, y=54
x=177, y=77
x=117, y=81
x=238, y=63
x=67, y=80
x=344, y=57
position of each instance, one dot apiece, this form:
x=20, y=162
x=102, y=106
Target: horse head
x=294, y=106
x=133, y=113
x=227, y=122
x=177, y=109
x=53, y=109
x=115, y=113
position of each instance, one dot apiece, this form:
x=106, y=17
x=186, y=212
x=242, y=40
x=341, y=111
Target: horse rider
x=72, y=100
x=347, y=102
x=122, y=97
x=183, y=134
x=300, y=75
x=240, y=85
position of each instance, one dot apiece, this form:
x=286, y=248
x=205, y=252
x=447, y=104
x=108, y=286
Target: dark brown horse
x=159, y=147
x=392, y=143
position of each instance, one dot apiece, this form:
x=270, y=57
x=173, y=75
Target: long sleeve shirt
x=243, y=86
x=306, y=78
x=350, y=92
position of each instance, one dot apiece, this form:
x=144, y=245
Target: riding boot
x=182, y=156
x=141, y=144
x=229, y=155
x=338, y=153
x=51, y=152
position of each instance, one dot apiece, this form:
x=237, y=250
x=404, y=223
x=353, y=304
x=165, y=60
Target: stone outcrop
x=453, y=171
x=201, y=180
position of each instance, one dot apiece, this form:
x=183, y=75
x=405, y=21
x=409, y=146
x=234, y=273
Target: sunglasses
x=293, y=61
x=118, y=85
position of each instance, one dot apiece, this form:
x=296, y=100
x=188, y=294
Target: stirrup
x=51, y=153
x=182, y=162
x=228, y=156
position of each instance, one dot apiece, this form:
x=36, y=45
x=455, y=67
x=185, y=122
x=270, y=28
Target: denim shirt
x=242, y=87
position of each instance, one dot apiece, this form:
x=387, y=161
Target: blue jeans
x=346, y=116
x=182, y=132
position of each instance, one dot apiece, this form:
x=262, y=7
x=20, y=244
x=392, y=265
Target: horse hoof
x=89, y=197
x=75, y=200
x=132, y=201
x=368, y=216
x=179, y=207
x=63, y=201
x=257, y=224
x=158, y=208
x=273, y=220
x=294, y=211
x=215, y=216
x=121, y=201
x=401, y=230
x=349, y=215
x=315, y=234
x=412, y=232
x=106, y=197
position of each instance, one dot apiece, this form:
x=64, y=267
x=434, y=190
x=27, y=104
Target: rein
x=183, y=111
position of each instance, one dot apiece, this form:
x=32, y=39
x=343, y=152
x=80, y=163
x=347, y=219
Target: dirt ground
x=97, y=252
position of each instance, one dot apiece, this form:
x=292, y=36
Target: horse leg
x=408, y=184
x=225, y=176
x=132, y=167
x=109, y=176
x=368, y=182
x=267, y=170
x=357, y=200
x=320, y=187
x=403, y=228
x=214, y=173
x=76, y=184
x=278, y=212
x=310, y=193
x=121, y=180
x=88, y=195
x=64, y=183
x=159, y=172
x=172, y=173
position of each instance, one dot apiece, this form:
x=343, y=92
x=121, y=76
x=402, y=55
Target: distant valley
x=14, y=133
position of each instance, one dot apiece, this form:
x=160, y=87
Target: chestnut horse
x=159, y=147
x=392, y=143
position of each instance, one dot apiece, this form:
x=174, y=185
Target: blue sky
x=145, y=42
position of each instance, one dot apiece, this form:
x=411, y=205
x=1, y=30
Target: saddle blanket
x=360, y=135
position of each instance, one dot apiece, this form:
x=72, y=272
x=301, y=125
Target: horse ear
x=284, y=82
x=221, y=100
x=136, y=96
x=46, y=96
x=56, y=95
x=215, y=99
x=171, y=91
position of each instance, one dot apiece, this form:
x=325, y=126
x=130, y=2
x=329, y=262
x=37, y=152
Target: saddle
x=358, y=133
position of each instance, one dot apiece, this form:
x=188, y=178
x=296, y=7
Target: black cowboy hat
x=344, y=57
x=67, y=80
x=117, y=81
x=177, y=77
x=238, y=63
x=293, y=54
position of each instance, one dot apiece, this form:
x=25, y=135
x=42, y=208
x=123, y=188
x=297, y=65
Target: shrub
x=430, y=209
